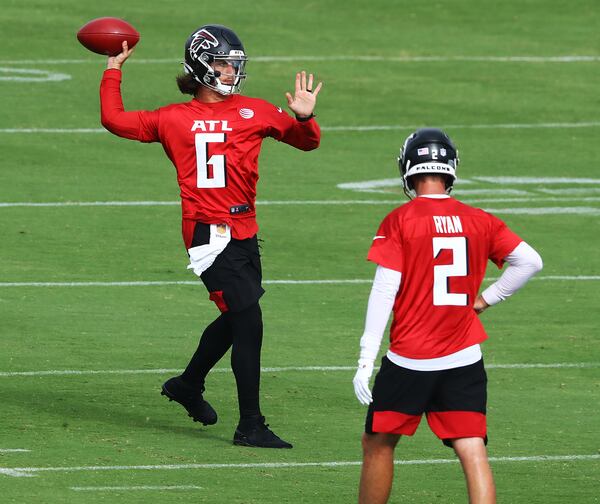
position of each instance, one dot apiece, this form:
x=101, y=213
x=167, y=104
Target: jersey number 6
x=441, y=273
x=216, y=161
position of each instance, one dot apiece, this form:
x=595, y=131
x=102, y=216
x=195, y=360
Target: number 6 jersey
x=214, y=147
x=441, y=246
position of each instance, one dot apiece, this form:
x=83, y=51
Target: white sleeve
x=381, y=301
x=524, y=262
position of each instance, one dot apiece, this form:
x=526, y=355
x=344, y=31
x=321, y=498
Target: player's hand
x=305, y=97
x=361, y=382
x=480, y=304
x=116, y=62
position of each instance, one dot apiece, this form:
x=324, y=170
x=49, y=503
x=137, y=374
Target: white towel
x=203, y=256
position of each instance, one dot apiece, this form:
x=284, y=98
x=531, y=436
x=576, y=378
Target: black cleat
x=254, y=432
x=175, y=389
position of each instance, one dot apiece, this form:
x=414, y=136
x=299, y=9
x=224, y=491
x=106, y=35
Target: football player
x=431, y=257
x=214, y=141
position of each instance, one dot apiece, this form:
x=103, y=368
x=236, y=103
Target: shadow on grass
x=127, y=409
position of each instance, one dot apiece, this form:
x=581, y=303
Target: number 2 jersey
x=441, y=246
x=214, y=147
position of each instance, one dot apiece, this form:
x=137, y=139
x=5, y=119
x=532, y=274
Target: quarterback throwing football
x=214, y=141
x=431, y=257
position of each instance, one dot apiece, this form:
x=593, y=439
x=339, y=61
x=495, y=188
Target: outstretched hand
x=116, y=62
x=305, y=97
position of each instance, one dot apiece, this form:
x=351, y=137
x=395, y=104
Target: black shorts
x=234, y=279
x=454, y=401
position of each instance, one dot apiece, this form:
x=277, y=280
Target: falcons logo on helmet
x=203, y=39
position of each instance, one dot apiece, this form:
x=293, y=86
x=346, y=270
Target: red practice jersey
x=214, y=147
x=441, y=247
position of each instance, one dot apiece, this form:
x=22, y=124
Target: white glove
x=361, y=381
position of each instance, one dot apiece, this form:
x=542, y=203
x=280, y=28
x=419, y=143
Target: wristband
x=304, y=119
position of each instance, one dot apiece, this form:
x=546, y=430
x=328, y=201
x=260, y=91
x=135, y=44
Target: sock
x=214, y=343
x=247, y=333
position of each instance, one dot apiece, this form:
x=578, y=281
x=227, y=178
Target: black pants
x=234, y=283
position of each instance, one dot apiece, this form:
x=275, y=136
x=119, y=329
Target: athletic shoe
x=191, y=399
x=254, y=432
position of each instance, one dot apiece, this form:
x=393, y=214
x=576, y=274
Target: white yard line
x=396, y=202
x=88, y=372
x=160, y=283
x=174, y=282
x=134, y=488
x=341, y=128
x=326, y=58
x=545, y=210
x=370, y=185
x=87, y=203
x=536, y=181
x=14, y=474
x=30, y=75
x=393, y=127
x=27, y=471
x=53, y=130
x=14, y=450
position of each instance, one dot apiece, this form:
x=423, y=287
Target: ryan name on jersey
x=447, y=224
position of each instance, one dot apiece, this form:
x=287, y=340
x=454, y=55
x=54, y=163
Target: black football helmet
x=209, y=44
x=428, y=150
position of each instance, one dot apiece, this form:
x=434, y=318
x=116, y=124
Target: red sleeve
x=503, y=241
x=139, y=125
x=304, y=135
x=386, y=249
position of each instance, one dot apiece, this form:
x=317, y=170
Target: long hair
x=187, y=84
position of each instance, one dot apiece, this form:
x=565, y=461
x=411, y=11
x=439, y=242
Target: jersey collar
x=434, y=196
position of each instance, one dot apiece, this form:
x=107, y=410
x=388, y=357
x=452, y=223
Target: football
x=104, y=35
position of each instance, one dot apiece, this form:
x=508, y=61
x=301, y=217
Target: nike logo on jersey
x=279, y=110
x=378, y=237
x=211, y=126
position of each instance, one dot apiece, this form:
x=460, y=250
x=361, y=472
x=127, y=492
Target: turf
x=119, y=419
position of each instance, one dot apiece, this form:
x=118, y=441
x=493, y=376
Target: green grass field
x=514, y=83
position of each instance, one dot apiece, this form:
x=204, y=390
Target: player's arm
x=381, y=301
x=523, y=263
x=137, y=125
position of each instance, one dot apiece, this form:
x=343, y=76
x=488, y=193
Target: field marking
x=129, y=488
x=87, y=203
x=291, y=58
x=394, y=127
x=366, y=185
x=583, y=210
x=53, y=130
x=15, y=474
x=26, y=471
x=571, y=191
x=160, y=283
x=363, y=128
x=545, y=211
x=31, y=75
x=175, y=282
x=538, y=180
x=14, y=450
x=88, y=372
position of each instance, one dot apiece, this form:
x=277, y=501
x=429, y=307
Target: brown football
x=105, y=35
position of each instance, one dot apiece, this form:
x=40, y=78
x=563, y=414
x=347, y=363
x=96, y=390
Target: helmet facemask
x=213, y=78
